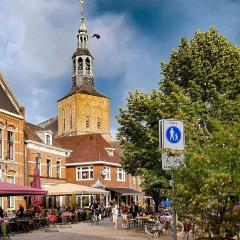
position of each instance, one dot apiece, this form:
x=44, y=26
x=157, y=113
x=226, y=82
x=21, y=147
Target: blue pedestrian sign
x=173, y=134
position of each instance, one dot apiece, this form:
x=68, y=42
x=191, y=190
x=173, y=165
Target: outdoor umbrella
x=36, y=200
x=10, y=189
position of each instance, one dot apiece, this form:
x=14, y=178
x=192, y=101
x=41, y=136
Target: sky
x=38, y=38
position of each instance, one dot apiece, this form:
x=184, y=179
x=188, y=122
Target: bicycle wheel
x=179, y=226
x=151, y=231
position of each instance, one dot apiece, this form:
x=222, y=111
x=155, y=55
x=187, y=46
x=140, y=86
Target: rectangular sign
x=171, y=134
x=169, y=161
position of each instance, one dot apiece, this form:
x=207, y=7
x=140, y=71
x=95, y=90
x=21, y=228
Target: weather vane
x=82, y=4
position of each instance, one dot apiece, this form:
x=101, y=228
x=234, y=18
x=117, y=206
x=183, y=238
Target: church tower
x=83, y=110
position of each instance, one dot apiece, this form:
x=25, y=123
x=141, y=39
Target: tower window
x=87, y=66
x=71, y=121
x=80, y=66
x=64, y=121
x=87, y=122
x=74, y=66
x=99, y=123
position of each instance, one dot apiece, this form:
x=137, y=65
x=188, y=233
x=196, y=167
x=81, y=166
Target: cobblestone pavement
x=86, y=231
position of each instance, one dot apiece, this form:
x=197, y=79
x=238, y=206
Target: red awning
x=9, y=189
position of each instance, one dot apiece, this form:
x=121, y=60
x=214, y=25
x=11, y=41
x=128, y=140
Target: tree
x=200, y=85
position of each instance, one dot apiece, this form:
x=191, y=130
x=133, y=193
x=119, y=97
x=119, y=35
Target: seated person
x=1, y=213
x=20, y=212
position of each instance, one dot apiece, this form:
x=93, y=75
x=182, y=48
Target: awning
x=125, y=191
x=65, y=189
x=9, y=189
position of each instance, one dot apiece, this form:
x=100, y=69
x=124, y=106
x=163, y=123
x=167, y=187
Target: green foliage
x=201, y=86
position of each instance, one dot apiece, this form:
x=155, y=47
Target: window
x=99, y=123
x=10, y=145
x=48, y=139
x=74, y=66
x=1, y=143
x=64, y=121
x=38, y=163
x=11, y=200
x=49, y=168
x=87, y=122
x=120, y=174
x=107, y=176
x=59, y=169
x=84, y=173
x=71, y=121
x=87, y=66
x=80, y=66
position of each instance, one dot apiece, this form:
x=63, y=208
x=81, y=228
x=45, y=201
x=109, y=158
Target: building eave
x=94, y=163
x=11, y=114
x=33, y=144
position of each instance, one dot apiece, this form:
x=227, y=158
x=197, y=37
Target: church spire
x=82, y=33
x=82, y=59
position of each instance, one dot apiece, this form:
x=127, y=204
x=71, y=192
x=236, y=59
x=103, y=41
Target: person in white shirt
x=115, y=212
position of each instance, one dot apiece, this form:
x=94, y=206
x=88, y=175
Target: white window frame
x=108, y=176
x=8, y=130
x=50, y=170
x=50, y=139
x=40, y=165
x=11, y=198
x=2, y=144
x=60, y=170
x=79, y=171
x=121, y=171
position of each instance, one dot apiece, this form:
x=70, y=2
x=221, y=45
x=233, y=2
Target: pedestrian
x=134, y=210
x=162, y=204
x=115, y=215
x=124, y=211
x=167, y=203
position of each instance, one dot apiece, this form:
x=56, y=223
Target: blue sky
x=38, y=38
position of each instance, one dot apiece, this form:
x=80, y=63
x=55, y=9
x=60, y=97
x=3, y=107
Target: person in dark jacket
x=134, y=210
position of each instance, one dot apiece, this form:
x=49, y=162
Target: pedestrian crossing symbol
x=173, y=134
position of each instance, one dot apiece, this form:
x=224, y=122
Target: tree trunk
x=156, y=200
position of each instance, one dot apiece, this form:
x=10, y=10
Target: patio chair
x=51, y=224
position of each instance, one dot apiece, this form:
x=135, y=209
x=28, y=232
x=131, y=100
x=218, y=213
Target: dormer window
x=110, y=151
x=48, y=139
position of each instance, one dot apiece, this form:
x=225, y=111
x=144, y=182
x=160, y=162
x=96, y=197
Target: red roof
x=8, y=189
x=88, y=148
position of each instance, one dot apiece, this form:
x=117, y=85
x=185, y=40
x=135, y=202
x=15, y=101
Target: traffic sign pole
x=171, y=136
x=174, y=208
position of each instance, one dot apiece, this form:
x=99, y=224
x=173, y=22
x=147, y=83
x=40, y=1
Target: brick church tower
x=83, y=110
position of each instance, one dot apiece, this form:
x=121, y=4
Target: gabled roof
x=8, y=101
x=50, y=124
x=30, y=133
x=88, y=148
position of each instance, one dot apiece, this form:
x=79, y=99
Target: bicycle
x=96, y=217
x=155, y=228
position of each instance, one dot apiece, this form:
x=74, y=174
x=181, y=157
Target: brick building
x=12, y=167
x=42, y=151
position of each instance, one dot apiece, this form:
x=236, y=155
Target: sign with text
x=171, y=161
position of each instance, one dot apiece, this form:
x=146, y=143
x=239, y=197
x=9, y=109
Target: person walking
x=124, y=211
x=115, y=215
